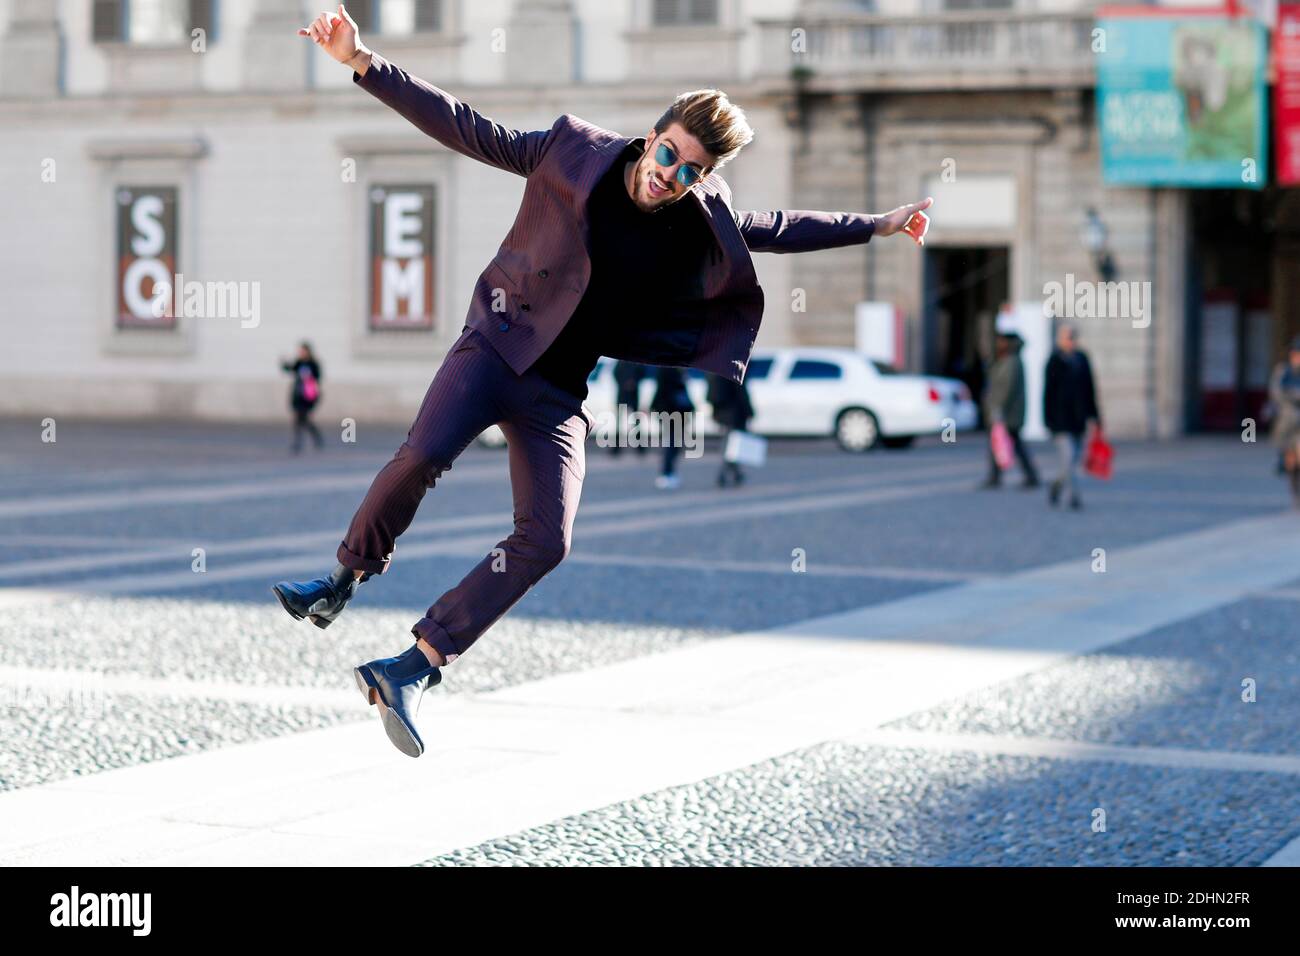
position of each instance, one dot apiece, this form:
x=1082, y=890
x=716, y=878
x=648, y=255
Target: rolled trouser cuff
x=436, y=636
x=356, y=562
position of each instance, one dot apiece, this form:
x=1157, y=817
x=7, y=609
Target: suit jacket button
x=543, y=274
x=504, y=326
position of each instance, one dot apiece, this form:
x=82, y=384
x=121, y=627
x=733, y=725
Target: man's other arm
x=435, y=112
x=806, y=230
x=803, y=230
x=456, y=125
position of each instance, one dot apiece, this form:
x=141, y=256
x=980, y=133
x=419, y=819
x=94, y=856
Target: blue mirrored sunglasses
x=686, y=175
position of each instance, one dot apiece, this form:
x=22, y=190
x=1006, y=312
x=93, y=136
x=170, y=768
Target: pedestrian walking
x=1069, y=407
x=627, y=401
x=1004, y=404
x=626, y=247
x=672, y=403
x=303, y=395
x=1284, y=393
x=732, y=410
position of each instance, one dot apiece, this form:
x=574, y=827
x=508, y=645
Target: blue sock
x=411, y=662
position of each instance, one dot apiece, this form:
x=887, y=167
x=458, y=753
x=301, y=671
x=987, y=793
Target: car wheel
x=898, y=441
x=856, y=429
x=492, y=437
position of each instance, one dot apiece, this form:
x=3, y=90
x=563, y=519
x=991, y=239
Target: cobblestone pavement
x=115, y=652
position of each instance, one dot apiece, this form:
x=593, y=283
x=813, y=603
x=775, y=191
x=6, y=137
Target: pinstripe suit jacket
x=543, y=265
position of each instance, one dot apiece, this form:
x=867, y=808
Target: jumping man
x=603, y=259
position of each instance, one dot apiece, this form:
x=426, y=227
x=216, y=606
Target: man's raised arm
x=806, y=230
x=433, y=111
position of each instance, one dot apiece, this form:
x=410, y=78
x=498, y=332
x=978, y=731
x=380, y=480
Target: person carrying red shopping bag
x=1069, y=405
x=1004, y=409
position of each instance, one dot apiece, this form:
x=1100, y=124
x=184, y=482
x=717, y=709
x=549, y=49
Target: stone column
x=31, y=51
x=831, y=173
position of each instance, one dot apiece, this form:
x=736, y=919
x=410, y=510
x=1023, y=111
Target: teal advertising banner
x=1181, y=99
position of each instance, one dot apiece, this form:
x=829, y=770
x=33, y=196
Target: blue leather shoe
x=399, y=684
x=322, y=600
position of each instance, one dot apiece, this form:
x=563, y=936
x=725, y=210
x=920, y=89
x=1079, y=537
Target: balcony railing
x=968, y=49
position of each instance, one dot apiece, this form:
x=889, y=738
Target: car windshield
x=884, y=368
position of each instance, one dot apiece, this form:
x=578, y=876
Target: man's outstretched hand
x=335, y=33
x=909, y=219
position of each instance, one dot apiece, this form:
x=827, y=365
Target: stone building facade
x=271, y=164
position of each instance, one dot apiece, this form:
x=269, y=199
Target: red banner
x=146, y=256
x=401, y=257
x=1286, y=94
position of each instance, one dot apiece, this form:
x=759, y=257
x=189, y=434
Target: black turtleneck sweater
x=640, y=263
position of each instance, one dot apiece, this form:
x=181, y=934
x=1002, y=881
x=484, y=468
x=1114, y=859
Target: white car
x=849, y=396
x=807, y=391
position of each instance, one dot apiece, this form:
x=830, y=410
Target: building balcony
x=1001, y=49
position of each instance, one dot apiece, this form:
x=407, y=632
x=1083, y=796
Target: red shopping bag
x=1000, y=442
x=1099, y=460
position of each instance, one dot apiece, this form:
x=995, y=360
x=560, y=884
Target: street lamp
x=1094, y=238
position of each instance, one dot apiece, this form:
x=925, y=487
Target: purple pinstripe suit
x=543, y=267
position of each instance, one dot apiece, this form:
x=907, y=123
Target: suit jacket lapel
x=735, y=265
x=596, y=160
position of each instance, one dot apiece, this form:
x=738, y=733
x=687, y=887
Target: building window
x=682, y=13
x=811, y=368
x=397, y=17
x=150, y=22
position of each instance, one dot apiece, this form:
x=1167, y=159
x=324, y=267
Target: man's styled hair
x=714, y=120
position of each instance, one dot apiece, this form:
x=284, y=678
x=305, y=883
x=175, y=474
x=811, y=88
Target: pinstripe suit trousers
x=546, y=429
